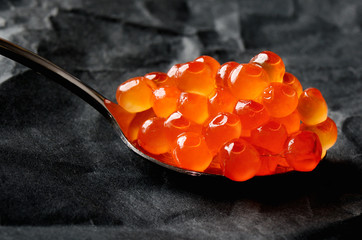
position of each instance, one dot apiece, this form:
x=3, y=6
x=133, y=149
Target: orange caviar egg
x=135, y=95
x=272, y=64
x=270, y=136
x=251, y=114
x=160, y=79
x=176, y=124
x=193, y=107
x=191, y=152
x=303, y=151
x=152, y=136
x=194, y=77
x=312, y=107
x=136, y=123
x=269, y=162
x=290, y=122
x=326, y=131
x=211, y=62
x=292, y=81
x=165, y=100
x=279, y=99
x=123, y=117
x=221, y=129
x=223, y=73
x=240, y=160
x=247, y=81
x=221, y=101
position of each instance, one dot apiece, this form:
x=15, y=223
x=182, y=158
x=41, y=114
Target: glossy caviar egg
x=224, y=73
x=191, y=152
x=326, y=131
x=152, y=136
x=312, y=107
x=279, y=99
x=221, y=101
x=292, y=81
x=247, y=81
x=165, y=100
x=136, y=123
x=193, y=107
x=303, y=151
x=240, y=160
x=251, y=114
x=211, y=62
x=160, y=79
x=123, y=117
x=194, y=77
x=135, y=95
x=270, y=136
x=269, y=162
x=272, y=64
x=221, y=129
x=177, y=124
x=290, y=122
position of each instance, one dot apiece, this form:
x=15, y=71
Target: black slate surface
x=64, y=173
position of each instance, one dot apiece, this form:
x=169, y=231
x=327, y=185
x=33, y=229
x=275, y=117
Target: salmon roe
x=240, y=160
x=272, y=63
x=194, y=77
x=247, y=81
x=221, y=101
x=222, y=128
x=224, y=72
x=236, y=120
x=312, y=107
x=280, y=99
x=252, y=115
x=193, y=107
x=135, y=95
x=303, y=151
x=292, y=81
x=165, y=100
x=191, y=152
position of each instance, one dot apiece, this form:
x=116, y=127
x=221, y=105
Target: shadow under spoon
x=106, y=107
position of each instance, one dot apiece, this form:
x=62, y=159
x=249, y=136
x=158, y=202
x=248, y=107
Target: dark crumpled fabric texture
x=65, y=174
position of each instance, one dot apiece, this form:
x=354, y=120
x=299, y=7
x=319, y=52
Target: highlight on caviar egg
x=135, y=95
x=223, y=73
x=251, y=114
x=221, y=129
x=191, y=152
x=272, y=64
x=193, y=77
x=279, y=99
x=238, y=120
x=240, y=160
x=247, y=81
x=165, y=100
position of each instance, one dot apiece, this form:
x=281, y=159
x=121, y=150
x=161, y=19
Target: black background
x=65, y=174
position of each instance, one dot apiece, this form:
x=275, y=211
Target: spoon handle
x=52, y=71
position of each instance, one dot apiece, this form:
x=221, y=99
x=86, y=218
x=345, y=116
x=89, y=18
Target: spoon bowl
x=106, y=107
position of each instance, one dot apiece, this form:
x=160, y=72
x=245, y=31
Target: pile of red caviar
x=237, y=120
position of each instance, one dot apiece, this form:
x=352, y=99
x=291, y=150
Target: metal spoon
x=106, y=107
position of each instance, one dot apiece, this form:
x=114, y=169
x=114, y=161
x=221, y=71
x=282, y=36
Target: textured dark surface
x=64, y=173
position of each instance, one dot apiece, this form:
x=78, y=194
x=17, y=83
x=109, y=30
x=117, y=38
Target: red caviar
x=191, y=152
x=272, y=64
x=312, y=107
x=221, y=129
x=247, y=81
x=235, y=120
